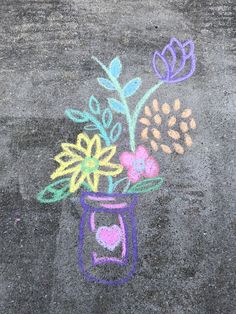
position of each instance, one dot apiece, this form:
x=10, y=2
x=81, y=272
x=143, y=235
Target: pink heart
x=109, y=237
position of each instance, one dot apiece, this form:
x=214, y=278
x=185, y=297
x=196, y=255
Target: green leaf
x=146, y=185
x=106, y=83
x=54, y=192
x=107, y=117
x=131, y=87
x=76, y=115
x=115, y=132
x=116, y=105
x=115, y=67
x=94, y=105
x=57, y=191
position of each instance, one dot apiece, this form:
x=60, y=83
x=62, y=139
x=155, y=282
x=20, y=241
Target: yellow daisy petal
x=83, y=142
x=66, y=169
x=106, y=153
x=93, y=180
x=76, y=180
x=63, y=157
x=71, y=150
x=111, y=169
x=94, y=146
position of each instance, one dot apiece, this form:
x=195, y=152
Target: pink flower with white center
x=139, y=164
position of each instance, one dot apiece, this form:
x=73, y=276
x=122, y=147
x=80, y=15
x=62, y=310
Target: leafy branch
x=113, y=72
x=78, y=116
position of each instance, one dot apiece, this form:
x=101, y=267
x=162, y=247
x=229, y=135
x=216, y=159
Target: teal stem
x=100, y=127
x=116, y=183
x=122, y=98
x=110, y=185
x=126, y=187
x=139, y=107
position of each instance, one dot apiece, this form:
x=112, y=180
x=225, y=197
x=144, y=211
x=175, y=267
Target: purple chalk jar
x=107, y=250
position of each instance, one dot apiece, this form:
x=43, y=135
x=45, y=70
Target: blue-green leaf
x=115, y=67
x=90, y=127
x=76, y=115
x=116, y=105
x=107, y=118
x=115, y=132
x=146, y=185
x=94, y=105
x=131, y=87
x=106, y=83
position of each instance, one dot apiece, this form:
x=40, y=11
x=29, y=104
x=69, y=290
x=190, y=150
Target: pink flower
x=139, y=164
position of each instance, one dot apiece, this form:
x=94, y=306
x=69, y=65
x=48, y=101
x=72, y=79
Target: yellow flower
x=86, y=161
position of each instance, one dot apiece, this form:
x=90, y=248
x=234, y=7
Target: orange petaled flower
x=167, y=127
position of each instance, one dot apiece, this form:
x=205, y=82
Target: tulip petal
x=172, y=53
x=175, y=42
x=165, y=63
x=192, y=67
x=191, y=48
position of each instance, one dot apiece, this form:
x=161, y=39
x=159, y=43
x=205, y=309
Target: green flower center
x=89, y=165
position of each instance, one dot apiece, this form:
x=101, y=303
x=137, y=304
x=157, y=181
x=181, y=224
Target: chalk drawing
x=167, y=128
x=97, y=152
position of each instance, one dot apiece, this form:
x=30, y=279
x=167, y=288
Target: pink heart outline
x=109, y=237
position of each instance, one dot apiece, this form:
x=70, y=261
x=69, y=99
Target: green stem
x=139, y=107
x=122, y=98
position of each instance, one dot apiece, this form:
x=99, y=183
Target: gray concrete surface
x=186, y=234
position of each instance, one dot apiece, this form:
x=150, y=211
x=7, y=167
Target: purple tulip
x=176, y=62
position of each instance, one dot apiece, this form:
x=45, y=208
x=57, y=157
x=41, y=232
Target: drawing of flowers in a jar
x=107, y=242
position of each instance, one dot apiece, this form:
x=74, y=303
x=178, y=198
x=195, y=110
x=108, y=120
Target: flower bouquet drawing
x=107, y=244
